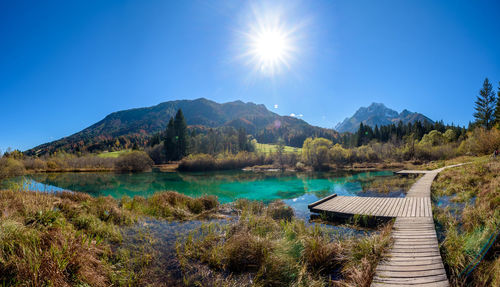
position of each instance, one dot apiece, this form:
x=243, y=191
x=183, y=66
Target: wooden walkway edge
x=414, y=259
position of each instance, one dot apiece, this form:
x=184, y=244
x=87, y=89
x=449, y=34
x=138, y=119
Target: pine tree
x=242, y=139
x=169, y=143
x=497, y=110
x=180, y=128
x=485, y=105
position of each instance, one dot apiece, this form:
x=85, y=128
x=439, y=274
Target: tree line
x=178, y=141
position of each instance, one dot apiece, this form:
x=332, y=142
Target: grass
x=468, y=220
x=114, y=154
x=73, y=239
x=267, y=246
x=271, y=148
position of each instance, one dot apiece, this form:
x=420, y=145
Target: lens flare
x=270, y=44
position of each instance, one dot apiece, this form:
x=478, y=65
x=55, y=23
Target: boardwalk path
x=414, y=259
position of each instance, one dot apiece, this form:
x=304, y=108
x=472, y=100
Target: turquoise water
x=296, y=189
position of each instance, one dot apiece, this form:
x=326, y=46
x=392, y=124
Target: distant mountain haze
x=380, y=115
x=141, y=123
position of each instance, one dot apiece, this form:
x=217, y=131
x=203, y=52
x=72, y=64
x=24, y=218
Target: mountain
x=378, y=114
x=137, y=125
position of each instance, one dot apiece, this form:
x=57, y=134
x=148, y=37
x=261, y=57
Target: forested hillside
x=135, y=127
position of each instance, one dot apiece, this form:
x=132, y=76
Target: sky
x=65, y=65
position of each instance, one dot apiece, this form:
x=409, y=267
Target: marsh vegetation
x=467, y=213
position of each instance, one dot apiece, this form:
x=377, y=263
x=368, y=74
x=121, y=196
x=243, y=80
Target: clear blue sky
x=65, y=65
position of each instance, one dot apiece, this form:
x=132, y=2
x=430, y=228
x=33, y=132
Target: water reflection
x=297, y=189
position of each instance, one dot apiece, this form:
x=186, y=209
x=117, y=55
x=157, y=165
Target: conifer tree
x=497, y=110
x=242, y=139
x=181, y=143
x=169, y=143
x=485, y=105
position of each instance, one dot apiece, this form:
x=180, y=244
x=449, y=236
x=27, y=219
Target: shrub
x=157, y=153
x=315, y=152
x=135, y=161
x=10, y=167
x=34, y=164
x=206, y=162
x=481, y=141
x=198, y=162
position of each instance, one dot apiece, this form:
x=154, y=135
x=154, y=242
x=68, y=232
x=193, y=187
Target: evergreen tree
x=485, y=105
x=181, y=143
x=242, y=139
x=376, y=133
x=169, y=143
x=497, y=110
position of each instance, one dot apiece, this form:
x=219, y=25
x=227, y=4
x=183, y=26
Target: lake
x=295, y=189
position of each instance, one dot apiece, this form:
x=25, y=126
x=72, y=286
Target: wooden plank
x=348, y=204
x=407, y=207
x=414, y=280
x=402, y=210
x=332, y=204
x=429, y=207
x=321, y=200
x=363, y=205
x=414, y=207
x=383, y=204
x=375, y=206
x=355, y=206
x=370, y=208
x=433, y=266
x=397, y=206
x=393, y=204
x=394, y=211
x=411, y=274
x=433, y=284
x=387, y=204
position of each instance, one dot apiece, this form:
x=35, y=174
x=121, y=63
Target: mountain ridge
x=138, y=124
x=380, y=115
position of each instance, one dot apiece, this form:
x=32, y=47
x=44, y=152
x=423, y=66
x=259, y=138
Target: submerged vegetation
x=467, y=213
x=267, y=246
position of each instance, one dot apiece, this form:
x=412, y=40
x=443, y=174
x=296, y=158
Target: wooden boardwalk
x=414, y=259
x=376, y=206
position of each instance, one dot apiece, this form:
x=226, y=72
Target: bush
x=198, y=162
x=10, y=167
x=135, y=161
x=315, y=152
x=157, y=153
x=481, y=141
x=35, y=164
x=206, y=162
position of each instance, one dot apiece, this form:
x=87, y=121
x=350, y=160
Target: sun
x=268, y=41
x=270, y=49
x=271, y=46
